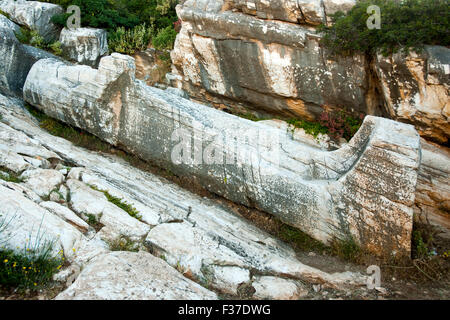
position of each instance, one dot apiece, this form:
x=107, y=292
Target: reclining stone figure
x=363, y=191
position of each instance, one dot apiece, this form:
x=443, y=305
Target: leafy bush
x=340, y=124
x=33, y=38
x=165, y=38
x=130, y=23
x=112, y=14
x=404, y=25
x=131, y=40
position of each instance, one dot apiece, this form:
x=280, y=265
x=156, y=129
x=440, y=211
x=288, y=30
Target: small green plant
x=340, y=124
x=93, y=221
x=131, y=40
x=250, y=116
x=165, y=38
x=9, y=176
x=346, y=248
x=123, y=243
x=55, y=47
x=310, y=127
x=419, y=246
x=299, y=239
x=128, y=208
x=33, y=38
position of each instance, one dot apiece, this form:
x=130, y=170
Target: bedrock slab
x=364, y=190
x=133, y=276
x=84, y=45
x=199, y=237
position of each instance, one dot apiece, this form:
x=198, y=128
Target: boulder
x=8, y=27
x=88, y=202
x=17, y=60
x=415, y=87
x=84, y=45
x=42, y=181
x=266, y=56
x=34, y=15
x=133, y=276
x=273, y=288
x=312, y=12
x=66, y=214
x=30, y=226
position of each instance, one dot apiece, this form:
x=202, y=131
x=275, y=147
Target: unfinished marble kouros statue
x=364, y=190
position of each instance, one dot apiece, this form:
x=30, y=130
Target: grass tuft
x=123, y=244
x=9, y=176
x=128, y=208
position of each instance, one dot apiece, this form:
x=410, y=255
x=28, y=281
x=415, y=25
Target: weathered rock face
x=364, y=190
x=8, y=27
x=274, y=66
x=265, y=56
x=34, y=15
x=84, y=45
x=312, y=12
x=433, y=188
x=150, y=68
x=17, y=59
x=215, y=245
x=416, y=90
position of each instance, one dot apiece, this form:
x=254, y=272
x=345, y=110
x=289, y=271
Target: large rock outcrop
x=17, y=59
x=364, y=190
x=416, y=90
x=270, y=65
x=34, y=15
x=84, y=45
x=266, y=56
x=216, y=246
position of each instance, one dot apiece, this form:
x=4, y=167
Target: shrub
x=404, y=25
x=33, y=38
x=130, y=41
x=340, y=124
x=112, y=14
x=312, y=128
x=165, y=38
